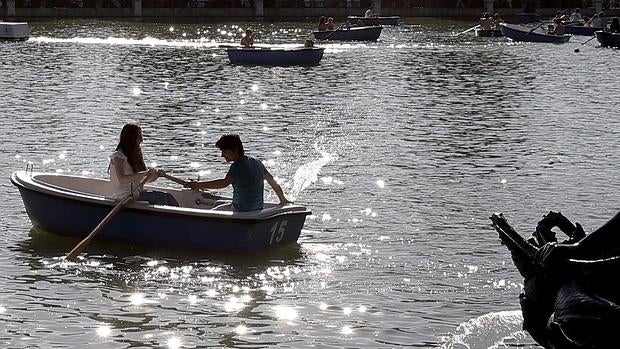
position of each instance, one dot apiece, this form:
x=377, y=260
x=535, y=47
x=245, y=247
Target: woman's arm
x=125, y=178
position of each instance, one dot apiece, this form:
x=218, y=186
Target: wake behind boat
x=370, y=33
x=276, y=56
x=74, y=205
x=525, y=34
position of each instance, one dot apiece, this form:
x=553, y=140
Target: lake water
x=402, y=148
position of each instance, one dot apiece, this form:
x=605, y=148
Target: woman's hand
x=152, y=174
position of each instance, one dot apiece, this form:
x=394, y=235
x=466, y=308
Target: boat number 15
x=277, y=232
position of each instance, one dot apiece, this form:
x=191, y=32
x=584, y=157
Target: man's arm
x=276, y=187
x=214, y=184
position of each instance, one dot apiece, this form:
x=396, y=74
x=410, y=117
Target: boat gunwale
x=91, y=200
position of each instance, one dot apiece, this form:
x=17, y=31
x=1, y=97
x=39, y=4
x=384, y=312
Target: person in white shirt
x=127, y=169
x=575, y=16
x=370, y=13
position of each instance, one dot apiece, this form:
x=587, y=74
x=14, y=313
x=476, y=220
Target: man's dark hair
x=231, y=142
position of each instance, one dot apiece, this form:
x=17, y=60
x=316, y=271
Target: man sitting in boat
x=496, y=21
x=614, y=27
x=486, y=22
x=576, y=16
x=370, y=13
x=596, y=21
x=248, y=39
x=127, y=169
x=247, y=176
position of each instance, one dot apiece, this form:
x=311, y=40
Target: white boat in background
x=14, y=31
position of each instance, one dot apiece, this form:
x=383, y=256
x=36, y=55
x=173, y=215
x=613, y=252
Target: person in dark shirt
x=246, y=174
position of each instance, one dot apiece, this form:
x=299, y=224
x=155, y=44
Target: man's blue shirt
x=247, y=174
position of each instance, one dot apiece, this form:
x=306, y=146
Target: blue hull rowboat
x=352, y=34
x=580, y=30
x=489, y=33
x=381, y=20
x=607, y=39
x=275, y=56
x=73, y=206
x=14, y=31
x=521, y=33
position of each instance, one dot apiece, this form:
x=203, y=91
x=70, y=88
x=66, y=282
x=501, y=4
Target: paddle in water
x=72, y=256
x=468, y=30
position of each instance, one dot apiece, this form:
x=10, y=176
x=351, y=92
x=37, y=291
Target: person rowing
x=247, y=176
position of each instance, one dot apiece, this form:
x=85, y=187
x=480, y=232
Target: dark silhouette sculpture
x=571, y=294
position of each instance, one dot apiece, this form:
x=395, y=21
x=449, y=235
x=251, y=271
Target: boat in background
x=275, y=56
x=488, y=33
x=379, y=20
x=370, y=33
x=608, y=39
x=580, y=30
x=14, y=31
x=525, y=34
x=74, y=205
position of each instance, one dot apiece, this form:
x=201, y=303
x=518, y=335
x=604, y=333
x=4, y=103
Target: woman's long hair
x=130, y=146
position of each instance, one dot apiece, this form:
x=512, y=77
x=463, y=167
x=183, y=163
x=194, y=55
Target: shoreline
x=293, y=14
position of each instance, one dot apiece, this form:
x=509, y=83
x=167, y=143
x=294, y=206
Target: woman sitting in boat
x=248, y=39
x=614, y=27
x=370, y=13
x=330, y=24
x=127, y=169
x=486, y=22
x=322, y=24
x=558, y=27
x=596, y=21
x=247, y=176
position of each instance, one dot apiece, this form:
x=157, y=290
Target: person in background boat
x=596, y=21
x=127, y=169
x=248, y=39
x=309, y=43
x=322, y=24
x=558, y=27
x=560, y=14
x=247, y=176
x=486, y=22
x=575, y=16
x=496, y=21
x=370, y=12
x=614, y=27
x=330, y=24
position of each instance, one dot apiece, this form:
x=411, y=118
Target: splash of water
x=490, y=330
x=308, y=173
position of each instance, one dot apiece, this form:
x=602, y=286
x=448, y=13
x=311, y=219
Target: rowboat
x=14, y=30
x=369, y=33
x=275, y=56
x=608, y=39
x=74, y=205
x=379, y=20
x=521, y=33
x=580, y=30
x=488, y=33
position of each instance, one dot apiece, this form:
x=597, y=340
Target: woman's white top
x=120, y=190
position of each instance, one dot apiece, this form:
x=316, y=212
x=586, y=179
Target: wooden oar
x=587, y=41
x=72, y=256
x=536, y=27
x=175, y=179
x=468, y=30
x=333, y=31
